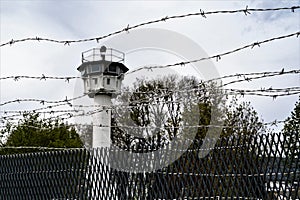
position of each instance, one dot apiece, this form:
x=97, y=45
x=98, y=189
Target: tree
x=157, y=111
x=241, y=126
x=291, y=133
x=241, y=119
x=31, y=131
x=291, y=130
x=69, y=166
x=169, y=107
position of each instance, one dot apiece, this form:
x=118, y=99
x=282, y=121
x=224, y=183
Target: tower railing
x=95, y=54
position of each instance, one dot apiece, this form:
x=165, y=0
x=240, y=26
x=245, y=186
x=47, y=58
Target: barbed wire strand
x=201, y=13
x=237, y=75
x=272, y=123
x=41, y=78
x=287, y=92
x=138, y=103
x=231, y=91
x=42, y=101
x=218, y=56
x=233, y=146
x=255, y=92
x=245, y=77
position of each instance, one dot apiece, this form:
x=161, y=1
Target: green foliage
x=32, y=131
x=171, y=102
x=165, y=104
x=291, y=132
x=184, y=107
x=241, y=119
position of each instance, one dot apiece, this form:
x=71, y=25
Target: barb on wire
x=268, y=92
x=68, y=114
x=230, y=92
x=271, y=123
x=238, y=76
x=243, y=76
x=16, y=113
x=40, y=112
x=43, y=77
x=274, y=96
x=218, y=56
x=163, y=19
x=41, y=101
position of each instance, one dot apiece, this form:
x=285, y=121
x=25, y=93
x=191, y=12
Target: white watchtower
x=102, y=71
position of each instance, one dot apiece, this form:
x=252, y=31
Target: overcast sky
x=68, y=20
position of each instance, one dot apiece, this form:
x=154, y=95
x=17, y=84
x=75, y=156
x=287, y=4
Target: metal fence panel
x=239, y=167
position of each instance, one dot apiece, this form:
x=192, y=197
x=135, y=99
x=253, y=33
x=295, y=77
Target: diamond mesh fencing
x=238, y=167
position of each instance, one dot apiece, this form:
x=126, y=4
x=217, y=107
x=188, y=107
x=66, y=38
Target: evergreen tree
x=31, y=131
x=291, y=132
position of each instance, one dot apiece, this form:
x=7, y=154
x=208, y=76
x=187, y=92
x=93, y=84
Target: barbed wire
x=228, y=146
x=286, y=91
x=237, y=75
x=39, y=112
x=250, y=93
x=272, y=123
x=279, y=92
x=43, y=101
x=245, y=77
x=41, y=78
x=264, y=75
x=275, y=92
x=51, y=112
x=201, y=13
x=41, y=108
x=229, y=90
x=218, y=56
x=272, y=90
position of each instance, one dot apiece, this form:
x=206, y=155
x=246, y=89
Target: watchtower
x=102, y=71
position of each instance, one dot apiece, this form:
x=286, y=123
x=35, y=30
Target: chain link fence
x=261, y=166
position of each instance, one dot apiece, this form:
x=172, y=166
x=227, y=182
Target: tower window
x=95, y=81
x=108, y=81
x=83, y=72
x=95, y=68
x=113, y=68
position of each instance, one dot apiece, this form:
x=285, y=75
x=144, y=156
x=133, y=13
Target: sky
x=72, y=20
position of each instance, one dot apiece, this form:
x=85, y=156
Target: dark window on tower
x=112, y=68
x=108, y=81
